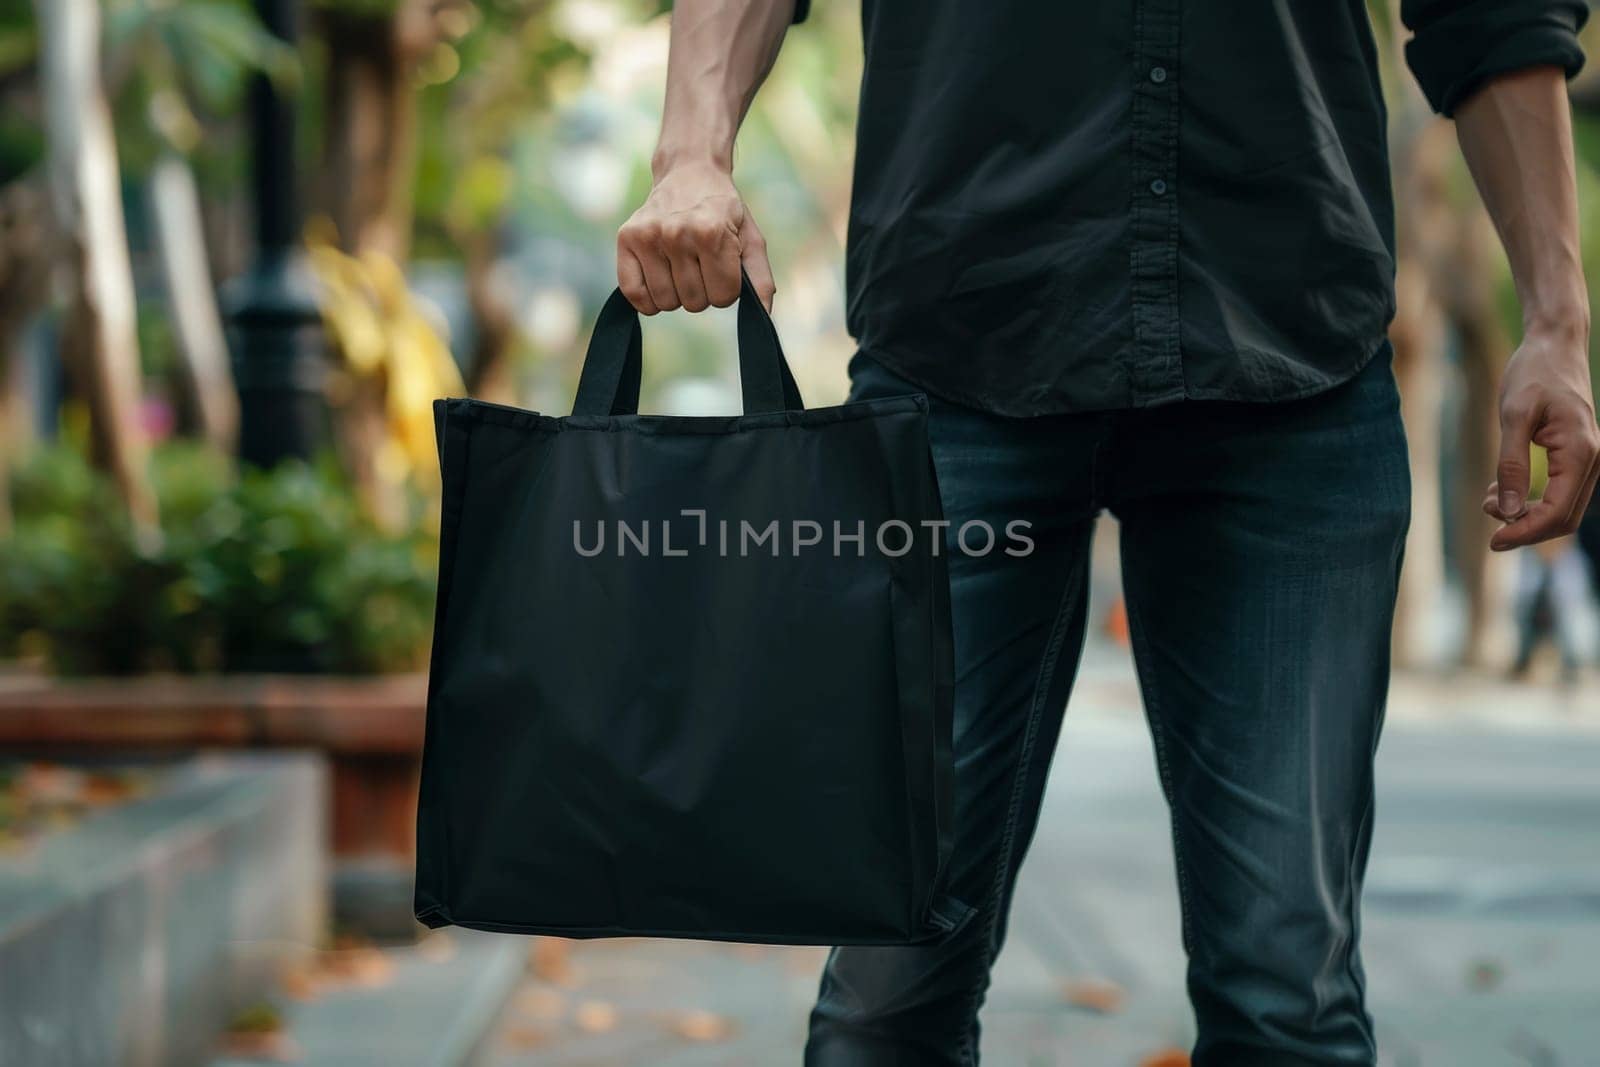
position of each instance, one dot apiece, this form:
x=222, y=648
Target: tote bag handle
x=609, y=384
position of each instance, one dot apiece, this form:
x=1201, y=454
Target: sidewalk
x=1482, y=916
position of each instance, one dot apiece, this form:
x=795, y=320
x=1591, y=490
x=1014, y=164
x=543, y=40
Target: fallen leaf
x=702, y=1026
x=267, y=1048
x=595, y=1017
x=525, y=1036
x=437, y=947
x=362, y=966
x=1102, y=997
x=300, y=982
x=257, y=1019
x=256, y=1033
x=358, y=966
x=541, y=1003
x=1169, y=1057
x=550, y=959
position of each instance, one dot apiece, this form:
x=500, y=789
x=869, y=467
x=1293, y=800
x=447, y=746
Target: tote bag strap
x=612, y=367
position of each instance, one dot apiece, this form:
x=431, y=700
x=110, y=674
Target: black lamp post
x=279, y=348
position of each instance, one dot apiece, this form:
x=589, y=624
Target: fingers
x=753, y=255
x=649, y=288
x=719, y=258
x=1572, y=445
x=630, y=279
x=687, y=259
x=658, y=277
x=1519, y=416
x=1540, y=522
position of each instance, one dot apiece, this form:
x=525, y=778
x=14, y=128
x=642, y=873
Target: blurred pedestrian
x=1555, y=599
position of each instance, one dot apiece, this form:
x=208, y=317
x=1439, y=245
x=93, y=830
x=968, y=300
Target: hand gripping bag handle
x=612, y=367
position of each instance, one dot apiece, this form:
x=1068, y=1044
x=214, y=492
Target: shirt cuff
x=1454, y=56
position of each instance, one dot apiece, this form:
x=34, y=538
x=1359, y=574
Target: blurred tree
x=512, y=54
x=176, y=65
x=26, y=229
x=438, y=87
x=100, y=341
x=375, y=51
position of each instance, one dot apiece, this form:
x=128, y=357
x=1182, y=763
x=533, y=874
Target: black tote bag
x=669, y=696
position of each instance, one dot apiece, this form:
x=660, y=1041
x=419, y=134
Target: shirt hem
x=967, y=399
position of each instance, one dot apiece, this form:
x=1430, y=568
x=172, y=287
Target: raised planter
x=132, y=938
x=369, y=729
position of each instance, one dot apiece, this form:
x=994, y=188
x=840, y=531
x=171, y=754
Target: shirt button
x=1158, y=74
x=1158, y=187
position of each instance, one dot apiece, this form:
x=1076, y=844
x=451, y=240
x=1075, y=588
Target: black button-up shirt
x=1077, y=205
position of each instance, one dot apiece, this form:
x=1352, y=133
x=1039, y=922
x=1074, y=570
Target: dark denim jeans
x=1260, y=552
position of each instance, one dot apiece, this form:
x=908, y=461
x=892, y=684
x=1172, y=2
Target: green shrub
x=272, y=570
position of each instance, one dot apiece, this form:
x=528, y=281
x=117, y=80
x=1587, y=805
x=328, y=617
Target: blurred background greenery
x=460, y=169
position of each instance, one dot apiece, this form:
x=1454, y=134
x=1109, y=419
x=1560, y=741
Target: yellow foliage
x=382, y=335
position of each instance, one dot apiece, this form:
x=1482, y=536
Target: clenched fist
x=684, y=247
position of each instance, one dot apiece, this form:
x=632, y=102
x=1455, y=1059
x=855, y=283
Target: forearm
x=720, y=54
x=1516, y=134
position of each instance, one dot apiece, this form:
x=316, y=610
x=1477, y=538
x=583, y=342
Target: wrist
x=1563, y=321
x=1555, y=303
x=669, y=157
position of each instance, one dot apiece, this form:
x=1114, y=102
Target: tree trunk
x=100, y=338
x=369, y=140
x=191, y=296
x=27, y=240
x=489, y=374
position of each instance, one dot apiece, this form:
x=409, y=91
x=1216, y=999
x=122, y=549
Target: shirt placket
x=1156, y=371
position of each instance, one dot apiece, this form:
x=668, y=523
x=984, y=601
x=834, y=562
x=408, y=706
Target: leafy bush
x=273, y=570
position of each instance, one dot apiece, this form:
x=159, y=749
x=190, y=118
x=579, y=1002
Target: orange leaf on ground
x=349, y=963
x=540, y=1003
x=437, y=947
x=550, y=960
x=595, y=1017
x=1170, y=1057
x=702, y=1026
x=525, y=1036
x=1093, y=995
x=300, y=982
x=363, y=966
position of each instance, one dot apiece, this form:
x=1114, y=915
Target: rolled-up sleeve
x=1457, y=45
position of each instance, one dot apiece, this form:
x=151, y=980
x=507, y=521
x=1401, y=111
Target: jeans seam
x=1008, y=832
x=1158, y=732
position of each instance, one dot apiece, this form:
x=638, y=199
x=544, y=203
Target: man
x=1140, y=255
